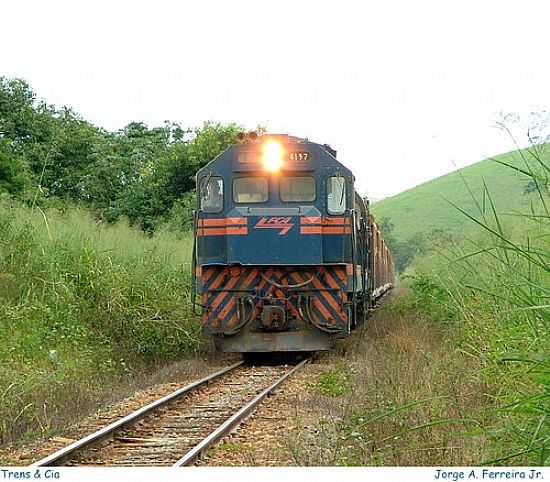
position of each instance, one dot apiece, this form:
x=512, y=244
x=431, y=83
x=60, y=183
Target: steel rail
x=226, y=427
x=67, y=452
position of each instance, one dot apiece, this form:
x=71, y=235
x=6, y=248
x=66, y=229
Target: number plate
x=250, y=157
x=301, y=156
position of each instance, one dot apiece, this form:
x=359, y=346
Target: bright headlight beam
x=272, y=155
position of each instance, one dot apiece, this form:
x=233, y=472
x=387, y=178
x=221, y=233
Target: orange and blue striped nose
x=275, y=238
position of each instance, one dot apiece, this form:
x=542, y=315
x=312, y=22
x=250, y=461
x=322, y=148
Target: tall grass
x=81, y=304
x=496, y=289
x=402, y=397
x=455, y=369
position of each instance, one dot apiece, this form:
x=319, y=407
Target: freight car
x=287, y=256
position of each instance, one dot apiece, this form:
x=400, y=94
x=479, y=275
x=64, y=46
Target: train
x=287, y=256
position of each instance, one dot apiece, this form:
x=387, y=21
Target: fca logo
x=282, y=224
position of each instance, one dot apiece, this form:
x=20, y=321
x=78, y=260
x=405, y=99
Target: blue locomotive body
x=286, y=252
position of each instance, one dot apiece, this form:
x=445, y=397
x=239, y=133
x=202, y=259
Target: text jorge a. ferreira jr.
x=487, y=474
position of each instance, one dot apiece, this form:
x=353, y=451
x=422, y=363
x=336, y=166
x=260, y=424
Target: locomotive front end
x=276, y=247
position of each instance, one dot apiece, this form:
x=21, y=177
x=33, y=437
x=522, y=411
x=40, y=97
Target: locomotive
x=287, y=256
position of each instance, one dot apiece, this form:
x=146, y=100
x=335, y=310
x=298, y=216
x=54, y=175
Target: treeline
x=405, y=252
x=49, y=155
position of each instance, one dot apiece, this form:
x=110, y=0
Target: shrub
x=81, y=302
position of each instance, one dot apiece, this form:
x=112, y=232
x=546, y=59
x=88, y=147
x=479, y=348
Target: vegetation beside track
x=455, y=370
x=50, y=155
x=494, y=290
x=83, y=306
x=94, y=254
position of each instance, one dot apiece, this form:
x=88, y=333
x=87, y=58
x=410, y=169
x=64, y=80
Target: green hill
x=426, y=207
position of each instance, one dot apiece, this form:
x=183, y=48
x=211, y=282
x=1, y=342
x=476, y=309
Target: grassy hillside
x=427, y=207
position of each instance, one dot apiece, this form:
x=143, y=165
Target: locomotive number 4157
x=298, y=156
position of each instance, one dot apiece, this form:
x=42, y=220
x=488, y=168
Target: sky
x=404, y=91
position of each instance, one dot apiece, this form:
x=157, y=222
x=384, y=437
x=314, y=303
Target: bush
x=83, y=301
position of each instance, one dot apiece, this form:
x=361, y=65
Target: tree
x=14, y=175
x=146, y=174
x=170, y=177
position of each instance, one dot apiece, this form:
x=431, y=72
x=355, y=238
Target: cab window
x=297, y=189
x=336, y=195
x=211, y=194
x=250, y=190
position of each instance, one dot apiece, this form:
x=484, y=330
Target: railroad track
x=179, y=428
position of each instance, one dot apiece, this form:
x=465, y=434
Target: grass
x=413, y=401
x=456, y=370
x=495, y=288
x=83, y=305
x=426, y=207
x=335, y=382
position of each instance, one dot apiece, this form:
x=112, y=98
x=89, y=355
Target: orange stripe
x=329, y=298
x=310, y=220
x=330, y=221
x=266, y=276
x=311, y=230
x=341, y=274
x=263, y=282
x=222, y=222
x=331, y=282
x=319, y=304
x=213, y=232
x=324, y=230
x=334, y=230
x=250, y=277
x=236, y=230
x=227, y=309
x=236, y=221
x=218, y=280
x=222, y=231
x=278, y=292
x=217, y=301
x=325, y=221
x=208, y=272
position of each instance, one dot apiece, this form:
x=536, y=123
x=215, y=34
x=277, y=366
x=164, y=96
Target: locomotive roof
x=317, y=155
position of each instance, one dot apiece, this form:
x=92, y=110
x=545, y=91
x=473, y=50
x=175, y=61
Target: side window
x=336, y=195
x=211, y=192
x=250, y=190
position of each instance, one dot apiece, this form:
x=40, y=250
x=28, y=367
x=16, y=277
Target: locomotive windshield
x=211, y=192
x=297, y=189
x=250, y=190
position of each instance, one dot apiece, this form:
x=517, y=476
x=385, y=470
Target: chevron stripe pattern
x=222, y=286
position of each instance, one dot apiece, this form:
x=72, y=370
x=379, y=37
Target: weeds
x=335, y=382
x=497, y=289
x=455, y=370
x=412, y=402
x=82, y=305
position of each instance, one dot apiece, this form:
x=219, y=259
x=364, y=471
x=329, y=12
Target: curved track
x=177, y=429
